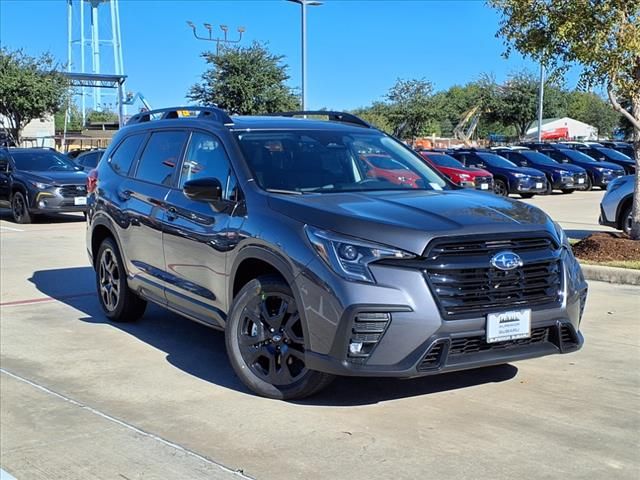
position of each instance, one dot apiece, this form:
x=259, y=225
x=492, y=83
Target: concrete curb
x=624, y=276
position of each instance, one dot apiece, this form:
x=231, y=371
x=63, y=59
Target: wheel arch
x=100, y=230
x=622, y=206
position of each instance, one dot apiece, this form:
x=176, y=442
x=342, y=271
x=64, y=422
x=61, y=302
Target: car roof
x=291, y=123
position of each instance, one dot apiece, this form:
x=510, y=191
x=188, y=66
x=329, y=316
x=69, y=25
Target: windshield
x=43, y=161
x=496, y=160
x=539, y=158
x=444, y=160
x=578, y=156
x=613, y=154
x=301, y=161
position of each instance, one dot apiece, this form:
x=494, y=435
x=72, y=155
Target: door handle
x=124, y=194
x=172, y=214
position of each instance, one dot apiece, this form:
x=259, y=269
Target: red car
x=383, y=166
x=457, y=172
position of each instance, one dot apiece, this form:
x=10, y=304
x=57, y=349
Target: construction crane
x=467, y=125
x=131, y=98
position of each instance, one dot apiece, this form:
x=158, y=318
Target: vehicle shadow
x=5, y=214
x=200, y=351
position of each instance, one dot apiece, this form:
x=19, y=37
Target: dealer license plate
x=505, y=326
x=80, y=201
x=484, y=186
x=581, y=180
x=538, y=185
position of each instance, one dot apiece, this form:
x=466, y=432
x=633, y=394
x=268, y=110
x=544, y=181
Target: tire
x=501, y=188
x=265, y=342
x=588, y=186
x=567, y=191
x=118, y=301
x=625, y=220
x=548, y=190
x=527, y=195
x=20, y=208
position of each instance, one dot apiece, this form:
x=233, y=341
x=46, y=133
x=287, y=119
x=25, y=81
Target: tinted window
x=125, y=153
x=205, y=157
x=160, y=156
x=611, y=153
x=539, y=158
x=331, y=161
x=37, y=160
x=496, y=160
x=443, y=160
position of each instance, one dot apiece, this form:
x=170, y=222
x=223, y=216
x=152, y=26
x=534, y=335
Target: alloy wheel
x=500, y=188
x=271, y=340
x=109, y=276
x=18, y=208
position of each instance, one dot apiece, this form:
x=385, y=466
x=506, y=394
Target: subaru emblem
x=506, y=261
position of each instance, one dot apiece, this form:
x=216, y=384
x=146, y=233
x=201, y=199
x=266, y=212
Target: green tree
x=102, y=116
x=30, y=88
x=246, y=81
x=516, y=102
x=594, y=110
x=378, y=115
x=75, y=118
x=601, y=37
x=409, y=112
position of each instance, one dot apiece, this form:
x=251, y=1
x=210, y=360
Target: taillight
x=92, y=181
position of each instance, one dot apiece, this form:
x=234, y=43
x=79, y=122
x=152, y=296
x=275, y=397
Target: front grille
x=70, y=191
x=464, y=282
x=466, y=345
x=483, y=179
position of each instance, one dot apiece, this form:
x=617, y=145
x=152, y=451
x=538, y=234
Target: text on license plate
x=505, y=326
x=484, y=186
x=80, y=200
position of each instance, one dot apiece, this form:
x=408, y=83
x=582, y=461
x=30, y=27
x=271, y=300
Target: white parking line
x=11, y=229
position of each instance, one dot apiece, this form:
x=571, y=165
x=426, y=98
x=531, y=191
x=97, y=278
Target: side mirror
x=206, y=189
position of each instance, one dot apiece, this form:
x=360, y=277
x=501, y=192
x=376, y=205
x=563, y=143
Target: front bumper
x=407, y=344
x=531, y=185
x=59, y=200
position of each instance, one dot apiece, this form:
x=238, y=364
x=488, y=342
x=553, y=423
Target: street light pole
x=303, y=56
x=218, y=40
x=540, y=101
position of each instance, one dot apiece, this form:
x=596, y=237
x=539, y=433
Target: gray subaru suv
x=323, y=247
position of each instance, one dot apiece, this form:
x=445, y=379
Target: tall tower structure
x=91, y=51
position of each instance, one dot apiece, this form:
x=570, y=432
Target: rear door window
x=123, y=156
x=160, y=156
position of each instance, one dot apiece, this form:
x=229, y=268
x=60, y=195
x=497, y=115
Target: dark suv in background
x=274, y=230
x=508, y=177
x=560, y=176
x=35, y=181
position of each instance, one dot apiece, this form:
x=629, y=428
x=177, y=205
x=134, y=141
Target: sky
x=356, y=49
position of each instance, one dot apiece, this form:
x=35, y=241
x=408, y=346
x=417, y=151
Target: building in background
x=564, y=128
x=36, y=133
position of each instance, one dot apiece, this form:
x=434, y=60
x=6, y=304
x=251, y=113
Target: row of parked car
x=534, y=168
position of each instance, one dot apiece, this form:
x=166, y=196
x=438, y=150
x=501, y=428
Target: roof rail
x=214, y=113
x=342, y=117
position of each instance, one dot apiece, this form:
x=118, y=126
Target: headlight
x=564, y=240
x=604, y=170
x=521, y=175
x=464, y=176
x=347, y=256
x=40, y=185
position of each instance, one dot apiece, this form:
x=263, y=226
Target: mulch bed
x=604, y=247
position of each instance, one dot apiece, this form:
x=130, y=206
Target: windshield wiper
x=286, y=192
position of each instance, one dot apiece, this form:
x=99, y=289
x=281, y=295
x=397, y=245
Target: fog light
x=42, y=203
x=355, y=348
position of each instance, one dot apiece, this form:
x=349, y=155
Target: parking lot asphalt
x=84, y=398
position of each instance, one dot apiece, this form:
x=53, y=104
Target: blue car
x=604, y=154
x=600, y=174
x=560, y=176
x=508, y=177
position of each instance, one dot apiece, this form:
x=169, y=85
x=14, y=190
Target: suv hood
x=58, y=178
x=410, y=219
x=532, y=172
x=569, y=168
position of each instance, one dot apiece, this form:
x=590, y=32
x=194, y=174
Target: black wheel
x=527, y=195
x=625, y=220
x=501, y=188
x=20, y=208
x=588, y=186
x=567, y=191
x=266, y=344
x=117, y=300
